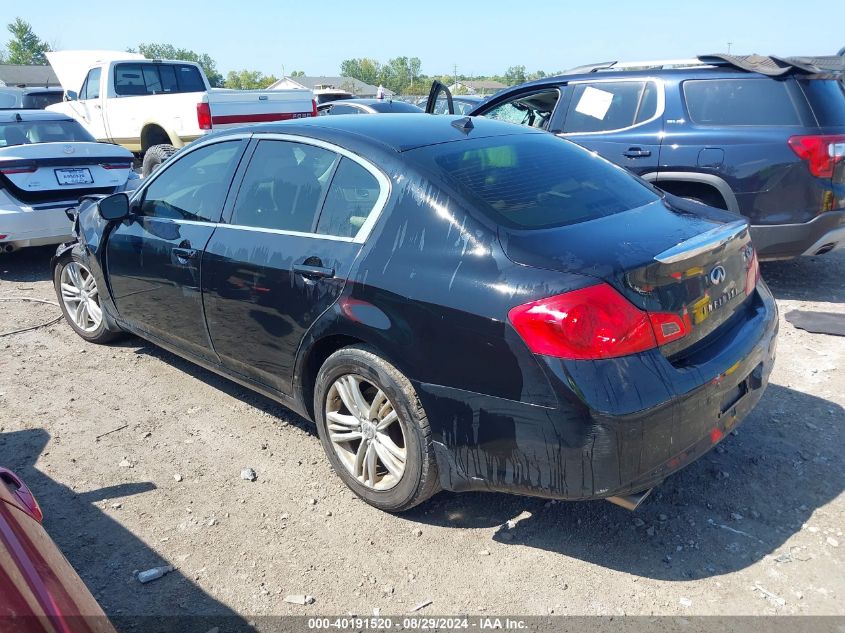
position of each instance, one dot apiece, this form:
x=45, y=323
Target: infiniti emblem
x=717, y=275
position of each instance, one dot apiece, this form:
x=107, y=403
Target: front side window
x=194, y=187
x=534, y=181
x=283, y=186
x=748, y=101
x=91, y=86
x=609, y=105
x=351, y=198
x=533, y=110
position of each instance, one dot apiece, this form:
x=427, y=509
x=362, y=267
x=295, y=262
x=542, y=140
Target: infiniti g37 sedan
x=457, y=304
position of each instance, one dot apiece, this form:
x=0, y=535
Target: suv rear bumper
x=823, y=233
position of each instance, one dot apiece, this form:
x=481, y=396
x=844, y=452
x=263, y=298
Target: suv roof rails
x=657, y=64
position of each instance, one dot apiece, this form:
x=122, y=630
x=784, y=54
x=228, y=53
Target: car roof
x=361, y=100
x=397, y=133
x=23, y=114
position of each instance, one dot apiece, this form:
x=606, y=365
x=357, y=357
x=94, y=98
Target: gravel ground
x=755, y=527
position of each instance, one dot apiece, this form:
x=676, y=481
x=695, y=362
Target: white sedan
x=47, y=162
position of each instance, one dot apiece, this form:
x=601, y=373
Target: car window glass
x=146, y=79
x=8, y=100
x=129, y=80
x=739, y=102
x=40, y=100
x=189, y=78
x=827, y=98
x=194, y=187
x=603, y=106
x=283, y=186
x=648, y=103
x=533, y=110
x=349, y=201
x=344, y=109
x=42, y=131
x=152, y=79
x=91, y=86
x=533, y=181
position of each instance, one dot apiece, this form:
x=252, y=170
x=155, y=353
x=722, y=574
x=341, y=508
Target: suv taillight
x=821, y=151
x=592, y=323
x=204, y=116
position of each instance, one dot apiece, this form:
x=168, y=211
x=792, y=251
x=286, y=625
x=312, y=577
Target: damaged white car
x=47, y=162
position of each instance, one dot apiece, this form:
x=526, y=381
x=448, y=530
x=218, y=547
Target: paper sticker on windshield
x=594, y=103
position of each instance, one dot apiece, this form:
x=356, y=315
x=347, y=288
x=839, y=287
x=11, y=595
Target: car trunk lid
x=669, y=256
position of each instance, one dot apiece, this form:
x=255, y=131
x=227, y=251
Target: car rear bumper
x=623, y=425
x=26, y=226
x=822, y=234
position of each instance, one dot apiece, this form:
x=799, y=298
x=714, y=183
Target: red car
x=39, y=591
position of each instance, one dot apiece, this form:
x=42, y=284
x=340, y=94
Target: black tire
x=154, y=157
x=419, y=480
x=99, y=334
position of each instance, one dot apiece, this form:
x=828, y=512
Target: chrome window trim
x=378, y=207
x=661, y=103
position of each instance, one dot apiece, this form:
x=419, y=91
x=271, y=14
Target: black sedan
x=367, y=106
x=460, y=304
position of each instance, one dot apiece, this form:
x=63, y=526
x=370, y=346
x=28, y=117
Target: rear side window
x=749, y=101
x=827, y=98
x=149, y=78
x=611, y=105
x=194, y=187
x=283, y=186
x=534, y=181
x=349, y=201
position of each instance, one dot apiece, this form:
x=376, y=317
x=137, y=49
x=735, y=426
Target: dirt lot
x=753, y=528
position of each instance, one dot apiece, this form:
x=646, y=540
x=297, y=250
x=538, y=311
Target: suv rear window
x=827, y=98
x=534, y=181
x=154, y=78
x=748, y=101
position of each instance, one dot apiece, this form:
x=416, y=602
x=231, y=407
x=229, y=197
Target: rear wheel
x=79, y=299
x=154, y=157
x=374, y=430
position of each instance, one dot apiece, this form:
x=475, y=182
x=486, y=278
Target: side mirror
x=71, y=95
x=114, y=207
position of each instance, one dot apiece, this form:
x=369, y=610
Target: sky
x=480, y=38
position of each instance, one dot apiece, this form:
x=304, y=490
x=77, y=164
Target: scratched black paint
x=430, y=290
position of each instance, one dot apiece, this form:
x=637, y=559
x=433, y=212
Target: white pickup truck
x=153, y=107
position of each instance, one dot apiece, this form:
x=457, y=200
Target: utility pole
x=455, y=69
x=729, y=47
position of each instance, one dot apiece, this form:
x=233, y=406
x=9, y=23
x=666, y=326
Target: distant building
x=482, y=88
x=26, y=76
x=349, y=84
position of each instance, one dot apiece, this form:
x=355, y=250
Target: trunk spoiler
x=704, y=242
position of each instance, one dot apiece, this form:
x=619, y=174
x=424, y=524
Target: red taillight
x=204, y=116
x=116, y=165
x=313, y=107
x=19, y=169
x=22, y=493
x=821, y=152
x=591, y=323
x=752, y=273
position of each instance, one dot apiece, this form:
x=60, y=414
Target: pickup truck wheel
x=154, y=157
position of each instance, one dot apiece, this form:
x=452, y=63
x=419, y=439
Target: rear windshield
x=395, y=106
x=40, y=100
x=827, y=98
x=154, y=78
x=534, y=181
x=26, y=132
x=750, y=101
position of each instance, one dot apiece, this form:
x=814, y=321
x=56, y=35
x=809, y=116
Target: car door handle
x=313, y=272
x=636, y=152
x=184, y=254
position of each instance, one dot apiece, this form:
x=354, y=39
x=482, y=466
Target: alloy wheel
x=366, y=432
x=81, y=297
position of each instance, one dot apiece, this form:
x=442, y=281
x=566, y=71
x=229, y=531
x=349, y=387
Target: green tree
x=515, y=75
x=248, y=80
x=362, y=68
x=168, y=51
x=25, y=47
x=298, y=73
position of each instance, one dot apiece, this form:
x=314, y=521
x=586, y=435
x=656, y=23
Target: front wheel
x=374, y=430
x=79, y=299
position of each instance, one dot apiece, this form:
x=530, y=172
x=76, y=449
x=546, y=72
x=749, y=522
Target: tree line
x=401, y=75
